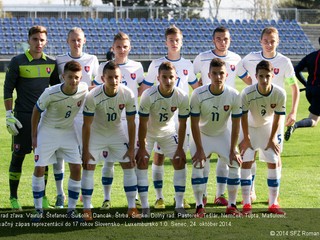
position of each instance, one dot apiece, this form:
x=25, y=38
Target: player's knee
x=89, y=167
x=59, y=165
x=143, y=164
x=126, y=165
x=247, y=165
x=39, y=171
x=158, y=159
x=178, y=165
x=16, y=163
x=272, y=165
x=234, y=173
x=75, y=168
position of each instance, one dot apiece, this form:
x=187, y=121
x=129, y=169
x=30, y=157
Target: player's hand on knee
x=13, y=124
x=142, y=158
x=244, y=145
x=86, y=157
x=130, y=155
x=274, y=146
x=235, y=157
x=180, y=157
x=89, y=167
x=199, y=159
x=198, y=163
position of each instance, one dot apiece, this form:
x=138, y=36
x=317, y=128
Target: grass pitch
x=299, y=196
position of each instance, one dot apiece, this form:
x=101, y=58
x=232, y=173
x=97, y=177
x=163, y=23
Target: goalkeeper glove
x=12, y=123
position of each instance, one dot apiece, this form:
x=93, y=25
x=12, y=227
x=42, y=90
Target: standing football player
x=211, y=107
x=76, y=41
x=283, y=73
x=29, y=74
x=263, y=104
x=221, y=40
x=105, y=139
x=57, y=107
x=132, y=77
x=186, y=77
x=158, y=105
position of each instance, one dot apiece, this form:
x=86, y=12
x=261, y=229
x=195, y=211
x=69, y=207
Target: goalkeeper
x=29, y=74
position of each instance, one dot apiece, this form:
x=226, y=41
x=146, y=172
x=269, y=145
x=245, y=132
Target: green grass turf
x=299, y=196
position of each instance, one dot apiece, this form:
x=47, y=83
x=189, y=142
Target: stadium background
x=299, y=187
x=145, y=26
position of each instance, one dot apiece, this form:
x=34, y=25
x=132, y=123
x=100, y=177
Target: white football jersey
x=132, y=75
x=202, y=64
x=60, y=109
x=283, y=68
x=184, y=71
x=161, y=110
x=261, y=108
x=215, y=110
x=107, y=110
x=88, y=62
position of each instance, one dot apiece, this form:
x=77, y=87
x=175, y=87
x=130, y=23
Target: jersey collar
x=166, y=57
x=69, y=54
x=30, y=58
x=219, y=55
x=261, y=52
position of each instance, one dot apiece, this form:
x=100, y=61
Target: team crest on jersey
x=36, y=158
x=48, y=70
x=185, y=72
x=133, y=76
x=87, y=68
x=276, y=70
x=273, y=105
x=121, y=106
x=79, y=103
x=105, y=154
x=226, y=107
x=173, y=109
x=232, y=67
x=16, y=147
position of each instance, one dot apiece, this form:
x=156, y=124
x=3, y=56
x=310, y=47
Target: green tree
x=85, y=3
x=300, y=4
